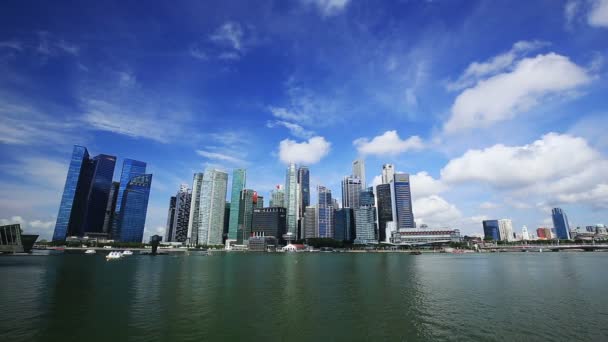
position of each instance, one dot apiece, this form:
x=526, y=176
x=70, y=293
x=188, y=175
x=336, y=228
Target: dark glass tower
x=132, y=216
x=103, y=170
x=170, y=229
x=491, y=230
x=110, y=208
x=304, y=181
x=130, y=169
x=385, y=209
x=325, y=211
x=401, y=198
x=344, y=227
x=560, y=222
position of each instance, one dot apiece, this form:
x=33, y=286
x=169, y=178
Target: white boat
x=127, y=252
x=114, y=255
x=90, y=251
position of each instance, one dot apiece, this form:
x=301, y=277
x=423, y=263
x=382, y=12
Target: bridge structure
x=553, y=248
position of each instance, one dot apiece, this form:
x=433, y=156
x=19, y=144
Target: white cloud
x=220, y=157
x=295, y=129
x=598, y=16
x=44, y=228
x=229, y=34
x=503, y=96
x=424, y=185
x=50, y=45
x=285, y=114
x=307, y=152
x=328, y=7
x=571, y=10
x=435, y=211
x=388, y=143
x=488, y=205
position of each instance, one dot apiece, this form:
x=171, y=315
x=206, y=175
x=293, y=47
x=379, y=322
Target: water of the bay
x=306, y=297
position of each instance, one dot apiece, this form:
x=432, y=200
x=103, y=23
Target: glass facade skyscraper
x=277, y=197
x=359, y=171
x=212, y=206
x=491, y=230
x=351, y=191
x=304, y=182
x=101, y=183
x=401, y=198
x=385, y=209
x=344, y=224
x=365, y=225
x=246, y=205
x=325, y=213
x=291, y=198
x=178, y=216
x=130, y=169
x=239, y=180
x=195, y=208
x=132, y=216
x=560, y=222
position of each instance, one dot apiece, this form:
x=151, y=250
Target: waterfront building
x=226, y=222
x=560, y=222
x=344, y=224
x=263, y=243
x=359, y=171
x=277, y=197
x=177, y=229
x=325, y=213
x=292, y=199
x=130, y=169
x=401, y=201
x=170, y=228
x=304, y=184
x=491, y=230
x=194, y=223
x=388, y=173
x=85, y=194
x=239, y=180
x=110, y=209
x=351, y=191
x=247, y=202
x=366, y=198
x=365, y=225
x=269, y=222
x=310, y=222
x=212, y=206
x=544, y=233
x=132, y=215
x=391, y=227
x=525, y=236
x=505, y=228
x=425, y=236
x=385, y=208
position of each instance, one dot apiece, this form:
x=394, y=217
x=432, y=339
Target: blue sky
x=496, y=109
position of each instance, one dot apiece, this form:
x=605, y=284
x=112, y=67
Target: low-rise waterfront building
x=419, y=236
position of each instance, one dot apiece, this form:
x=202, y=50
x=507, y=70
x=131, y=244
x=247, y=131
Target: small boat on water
x=90, y=251
x=127, y=252
x=114, y=255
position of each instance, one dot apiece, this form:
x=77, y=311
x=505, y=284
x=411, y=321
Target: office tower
x=130, y=169
x=325, y=213
x=388, y=173
x=351, y=190
x=344, y=224
x=85, y=194
x=195, y=209
x=170, y=228
x=291, y=198
x=385, y=208
x=491, y=230
x=544, y=233
x=524, y=233
x=335, y=203
x=239, y=180
x=401, y=199
x=277, y=197
x=213, y=203
x=260, y=203
x=365, y=225
x=110, y=208
x=247, y=202
x=366, y=198
x=177, y=229
x=505, y=228
x=269, y=222
x=226, y=222
x=310, y=223
x=560, y=222
x=359, y=171
x=391, y=227
x=132, y=215
x=304, y=183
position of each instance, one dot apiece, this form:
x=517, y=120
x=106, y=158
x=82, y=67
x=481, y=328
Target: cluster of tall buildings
x=502, y=230
x=202, y=216
x=94, y=205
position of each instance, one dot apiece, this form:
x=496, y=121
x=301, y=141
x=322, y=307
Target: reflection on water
x=334, y=296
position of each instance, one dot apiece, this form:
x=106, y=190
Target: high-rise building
x=247, y=202
x=366, y=198
x=365, y=225
x=385, y=208
x=401, y=198
x=388, y=173
x=291, y=197
x=344, y=224
x=177, y=229
x=194, y=223
x=491, y=230
x=132, y=215
x=226, y=222
x=351, y=191
x=277, y=197
x=170, y=227
x=359, y=171
x=560, y=222
x=130, y=169
x=110, y=208
x=304, y=183
x=213, y=204
x=325, y=213
x=525, y=236
x=260, y=203
x=310, y=223
x=270, y=221
x=505, y=228
x=544, y=233
x=85, y=194
x=239, y=180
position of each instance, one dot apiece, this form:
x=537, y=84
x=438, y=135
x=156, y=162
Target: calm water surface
x=306, y=297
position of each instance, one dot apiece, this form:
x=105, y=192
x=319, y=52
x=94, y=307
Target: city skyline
x=494, y=111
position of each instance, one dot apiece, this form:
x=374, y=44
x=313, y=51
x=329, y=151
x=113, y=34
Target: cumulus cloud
x=423, y=184
x=306, y=152
x=435, y=211
x=388, y=143
x=229, y=34
x=44, y=228
x=505, y=95
x=598, y=16
x=328, y=7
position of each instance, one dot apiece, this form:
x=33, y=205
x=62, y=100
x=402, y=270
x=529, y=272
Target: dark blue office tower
x=130, y=169
x=101, y=182
x=132, y=216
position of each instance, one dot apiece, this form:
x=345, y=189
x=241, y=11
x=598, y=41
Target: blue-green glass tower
x=239, y=178
x=132, y=217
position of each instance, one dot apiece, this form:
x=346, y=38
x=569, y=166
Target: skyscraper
x=505, y=228
x=560, y=222
x=110, y=208
x=291, y=198
x=385, y=208
x=491, y=230
x=351, y=191
x=269, y=222
x=85, y=194
x=401, y=199
x=194, y=223
x=213, y=203
x=177, y=229
x=239, y=179
x=365, y=225
x=247, y=202
x=260, y=202
x=304, y=183
x=359, y=171
x=310, y=223
x=130, y=169
x=132, y=215
x=277, y=197
x=344, y=224
x=170, y=228
x=325, y=213
x=388, y=173
x=366, y=198
x=525, y=235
